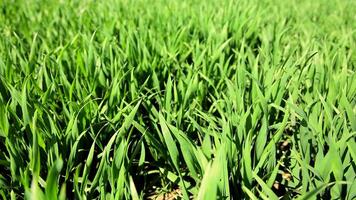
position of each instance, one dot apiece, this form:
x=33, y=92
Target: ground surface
x=167, y=99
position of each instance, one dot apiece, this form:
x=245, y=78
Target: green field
x=168, y=99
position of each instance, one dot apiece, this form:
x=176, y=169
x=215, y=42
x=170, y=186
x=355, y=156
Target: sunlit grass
x=143, y=99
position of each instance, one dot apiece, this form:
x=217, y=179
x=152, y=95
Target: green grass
x=123, y=99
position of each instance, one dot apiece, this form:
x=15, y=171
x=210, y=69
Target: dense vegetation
x=215, y=99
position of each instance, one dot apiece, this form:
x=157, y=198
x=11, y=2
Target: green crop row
x=167, y=99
